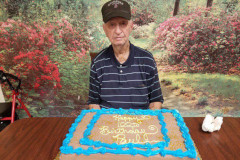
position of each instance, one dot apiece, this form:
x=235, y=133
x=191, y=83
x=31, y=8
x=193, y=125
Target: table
x=40, y=138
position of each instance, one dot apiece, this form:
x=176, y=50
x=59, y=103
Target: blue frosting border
x=86, y=141
x=191, y=151
x=189, y=144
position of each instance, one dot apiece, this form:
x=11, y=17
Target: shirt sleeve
x=94, y=86
x=154, y=88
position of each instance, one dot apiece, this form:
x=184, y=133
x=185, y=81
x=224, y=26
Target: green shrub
x=203, y=100
x=50, y=58
x=143, y=31
x=166, y=82
x=175, y=86
x=203, y=44
x=183, y=91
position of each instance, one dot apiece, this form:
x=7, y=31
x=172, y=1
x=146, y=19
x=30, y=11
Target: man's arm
x=94, y=89
x=154, y=88
x=94, y=106
x=155, y=105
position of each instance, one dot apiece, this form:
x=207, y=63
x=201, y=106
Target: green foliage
x=22, y=48
x=144, y=12
x=202, y=41
x=47, y=57
x=73, y=66
x=183, y=91
x=175, y=86
x=188, y=6
x=143, y=43
x=144, y=31
x=83, y=17
x=202, y=100
x=97, y=36
x=193, y=96
x=166, y=82
x=75, y=79
x=216, y=84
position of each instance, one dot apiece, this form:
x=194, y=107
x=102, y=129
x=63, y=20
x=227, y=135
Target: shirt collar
x=128, y=62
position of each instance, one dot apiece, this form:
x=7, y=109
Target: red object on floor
x=14, y=107
x=15, y=94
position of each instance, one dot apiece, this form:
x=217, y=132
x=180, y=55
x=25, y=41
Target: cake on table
x=127, y=134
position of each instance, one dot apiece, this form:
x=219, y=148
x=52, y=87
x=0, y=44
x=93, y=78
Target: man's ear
x=131, y=25
x=104, y=28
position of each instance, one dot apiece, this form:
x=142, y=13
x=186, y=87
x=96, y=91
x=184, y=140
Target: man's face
x=117, y=30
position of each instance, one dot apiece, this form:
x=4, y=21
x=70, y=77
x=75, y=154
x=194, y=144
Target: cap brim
x=117, y=14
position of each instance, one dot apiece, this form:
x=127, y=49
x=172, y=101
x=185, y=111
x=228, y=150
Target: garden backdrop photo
x=196, y=45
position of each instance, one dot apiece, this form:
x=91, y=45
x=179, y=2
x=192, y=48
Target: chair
x=93, y=55
x=12, y=106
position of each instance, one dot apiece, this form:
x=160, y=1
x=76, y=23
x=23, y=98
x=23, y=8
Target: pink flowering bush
x=142, y=17
x=36, y=53
x=21, y=52
x=202, y=41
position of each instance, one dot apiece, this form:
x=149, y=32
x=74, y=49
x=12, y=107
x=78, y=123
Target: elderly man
x=123, y=75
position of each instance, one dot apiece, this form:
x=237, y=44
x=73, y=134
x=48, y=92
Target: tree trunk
x=12, y=7
x=209, y=3
x=176, y=7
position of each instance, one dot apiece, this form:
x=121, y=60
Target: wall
x=47, y=45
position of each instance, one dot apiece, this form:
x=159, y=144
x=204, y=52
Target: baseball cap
x=116, y=8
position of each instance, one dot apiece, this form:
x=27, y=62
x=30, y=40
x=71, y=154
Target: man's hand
x=94, y=106
x=155, y=105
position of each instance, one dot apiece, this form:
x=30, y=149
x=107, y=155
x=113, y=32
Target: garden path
x=189, y=107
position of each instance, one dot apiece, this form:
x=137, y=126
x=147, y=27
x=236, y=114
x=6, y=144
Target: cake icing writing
x=130, y=125
x=129, y=120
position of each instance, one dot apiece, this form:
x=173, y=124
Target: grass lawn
x=217, y=84
x=145, y=44
x=142, y=43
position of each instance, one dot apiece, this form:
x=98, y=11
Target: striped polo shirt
x=133, y=84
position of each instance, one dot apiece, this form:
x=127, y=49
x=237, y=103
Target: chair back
x=1, y=95
x=93, y=55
